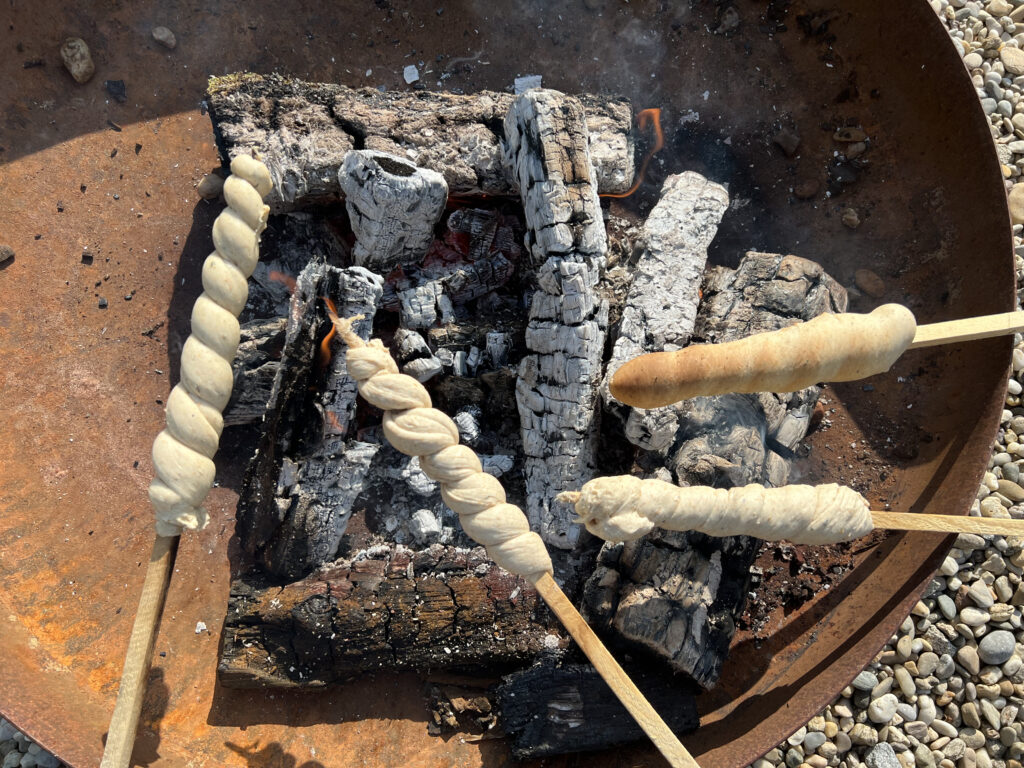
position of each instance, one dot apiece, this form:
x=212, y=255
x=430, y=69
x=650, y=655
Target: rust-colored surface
x=82, y=386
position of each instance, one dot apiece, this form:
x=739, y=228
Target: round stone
x=974, y=617
x=865, y=681
x=882, y=709
x=1013, y=60
x=1016, y=202
x=968, y=658
x=813, y=740
x=997, y=647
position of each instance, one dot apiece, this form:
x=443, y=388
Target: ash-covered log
x=392, y=207
x=303, y=131
x=546, y=151
x=389, y=608
x=677, y=595
x=550, y=709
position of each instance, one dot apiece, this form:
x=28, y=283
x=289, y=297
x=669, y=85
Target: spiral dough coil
x=416, y=429
x=183, y=452
x=625, y=508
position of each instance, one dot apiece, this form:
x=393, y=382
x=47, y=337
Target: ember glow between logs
x=644, y=118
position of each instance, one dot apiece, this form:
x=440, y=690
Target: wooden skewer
x=125, y=720
x=908, y=521
x=620, y=683
x=968, y=329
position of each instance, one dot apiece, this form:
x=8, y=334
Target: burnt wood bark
x=549, y=709
x=677, y=595
x=299, y=488
x=390, y=608
x=546, y=151
x=303, y=131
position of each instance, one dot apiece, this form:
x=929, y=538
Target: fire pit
x=790, y=194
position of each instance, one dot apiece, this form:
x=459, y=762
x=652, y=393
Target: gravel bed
x=948, y=688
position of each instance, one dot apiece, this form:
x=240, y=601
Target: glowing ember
x=644, y=118
x=281, y=277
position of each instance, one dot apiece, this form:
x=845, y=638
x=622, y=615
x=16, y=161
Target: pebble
x=997, y=647
x=411, y=74
x=870, y=283
x=1013, y=60
x=968, y=658
x=881, y=756
x=1016, y=203
x=77, y=59
x=210, y=187
x=865, y=681
x=850, y=218
x=882, y=709
x=165, y=37
x=974, y=617
x=813, y=740
x=981, y=595
x=1010, y=489
x=6, y=255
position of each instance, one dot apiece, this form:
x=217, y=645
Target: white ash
x=498, y=345
x=392, y=207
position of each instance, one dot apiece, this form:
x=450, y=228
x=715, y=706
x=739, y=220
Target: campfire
x=468, y=232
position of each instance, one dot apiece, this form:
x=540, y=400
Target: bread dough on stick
x=843, y=347
x=416, y=429
x=183, y=452
x=625, y=508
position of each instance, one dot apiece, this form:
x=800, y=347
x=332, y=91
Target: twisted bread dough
x=625, y=508
x=183, y=452
x=830, y=347
x=416, y=429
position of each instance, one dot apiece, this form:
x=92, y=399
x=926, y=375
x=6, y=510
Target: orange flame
x=281, y=277
x=643, y=118
x=323, y=357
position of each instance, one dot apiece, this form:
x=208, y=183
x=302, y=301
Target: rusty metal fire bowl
x=99, y=202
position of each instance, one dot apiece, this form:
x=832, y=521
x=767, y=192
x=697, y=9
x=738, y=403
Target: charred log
x=303, y=131
x=549, y=709
x=301, y=484
x=391, y=608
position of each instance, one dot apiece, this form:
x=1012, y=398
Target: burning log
x=256, y=365
x=723, y=441
x=304, y=131
x=546, y=150
x=392, y=206
x=388, y=608
x=300, y=487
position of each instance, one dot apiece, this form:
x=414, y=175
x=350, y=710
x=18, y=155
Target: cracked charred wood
x=660, y=309
x=303, y=130
x=677, y=595
x=550, y=709
x=390, y=608
x=299, y=489
x=392, y=207
x=546, y=151
x=256, y=365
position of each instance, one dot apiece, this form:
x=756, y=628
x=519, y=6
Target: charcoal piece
x=414, y=356
x=550, y=709
x=392, y=207
x=556, y=392
x=677, y=595
x=385, y=608
x=256, y=365
x=299, y=488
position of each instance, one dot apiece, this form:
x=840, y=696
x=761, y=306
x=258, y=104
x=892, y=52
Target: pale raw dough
x=625, y=508
x=419, y=430
x=183, y=452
